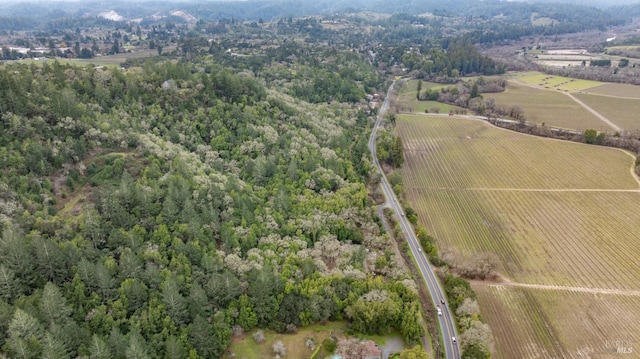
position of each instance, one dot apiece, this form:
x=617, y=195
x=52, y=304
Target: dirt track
x=594, y=112
x=504, y=282
x=533, y=189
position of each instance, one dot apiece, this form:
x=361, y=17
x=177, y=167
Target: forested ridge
x=567, y=17
x=154, y=211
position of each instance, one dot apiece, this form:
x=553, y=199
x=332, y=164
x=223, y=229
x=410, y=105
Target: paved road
x=446, y=321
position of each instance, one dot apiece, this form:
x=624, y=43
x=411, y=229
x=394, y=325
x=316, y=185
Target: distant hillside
x=37, y=15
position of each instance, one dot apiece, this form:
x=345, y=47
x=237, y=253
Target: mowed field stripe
x=633, y=293
x=531, y=189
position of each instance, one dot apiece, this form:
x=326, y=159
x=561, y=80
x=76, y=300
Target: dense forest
x=154, y=211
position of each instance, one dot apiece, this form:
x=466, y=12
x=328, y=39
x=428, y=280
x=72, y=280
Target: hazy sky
x=582, y=2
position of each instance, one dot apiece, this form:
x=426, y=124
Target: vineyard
x=615, y=90
x=622, y=111
x=538, y=323
x=518, y=323
x=555, y=213
x=460, y=153
x=550, y=107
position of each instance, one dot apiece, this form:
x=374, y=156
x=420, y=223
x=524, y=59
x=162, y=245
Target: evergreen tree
x=53, y=306
x=174, y=301
x=99, y=348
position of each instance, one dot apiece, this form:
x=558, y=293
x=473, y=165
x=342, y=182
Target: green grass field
x=408, y=102
x=558, y=82
x=542, y=21
x=411, y=86
x=622, y=111
x=624, y=47
x=549, y=107
x=111, y=60
x=522, y=74
x=555, y=213
x=244, y=347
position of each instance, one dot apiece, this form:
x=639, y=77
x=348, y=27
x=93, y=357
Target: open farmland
x=560, y=63
x=541, y=21
x=615, y=90
x=549, y=107
x=111, y=60
x=562, y=58
x=567, y=238
x=623, y=111
x=461, y=153
x=561, y=217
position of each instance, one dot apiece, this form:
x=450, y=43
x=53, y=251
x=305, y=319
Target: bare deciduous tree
x=469, y=307
x=310, y=343
x=237, y=330
x=483, y=265
x=479, y=335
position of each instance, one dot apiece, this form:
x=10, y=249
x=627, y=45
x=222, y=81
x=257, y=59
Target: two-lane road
x=447, y=323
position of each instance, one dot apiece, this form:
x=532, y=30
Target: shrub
x=259, y=337
x=279, y=348
x=590, y=136
x=292, y=328
x=310, y=343
x=330, y=345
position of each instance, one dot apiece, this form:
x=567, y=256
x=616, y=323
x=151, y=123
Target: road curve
x=446, y=320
